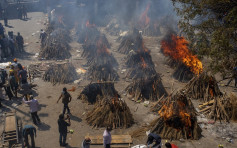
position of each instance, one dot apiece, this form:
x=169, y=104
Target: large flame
x=171, y=110
x=144, y=18
x=177, y=49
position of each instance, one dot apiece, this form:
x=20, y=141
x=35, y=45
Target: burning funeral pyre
x=130, y=42
x=203, y=87
x=60, y=73
x=87, y=33
x=114, y=27
x=56, y=44
x=147, y=84
x=92, y=92
x=149, y=26
x=112, y=112
x=177, y=118
x=186, y=65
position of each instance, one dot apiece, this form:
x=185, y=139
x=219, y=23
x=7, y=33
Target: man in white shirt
x=34, y=108
x=107, y=137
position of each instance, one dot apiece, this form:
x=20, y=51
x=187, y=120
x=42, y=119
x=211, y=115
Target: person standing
x=22, y=74
x=107, y=137
x=5, y=17
x=62, y=128
x=34, y=108
x=29, y=130
x=24, y=12
x=2, y=30
x=66, y=98
x=20, y=42
x=13, y=83
x=154, y=138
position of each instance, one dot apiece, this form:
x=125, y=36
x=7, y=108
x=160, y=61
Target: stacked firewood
x=132, y=41
x=111, y=112
x=203, y=87
x=87, y=34
x=92, y=91
x=147, y=89
x=220, y=108
x=177, y=119
x=60, y=74
x=56, y=45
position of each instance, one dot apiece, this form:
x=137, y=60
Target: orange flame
x=144, y=65
x=144, y=19
x=167, y=112
x=88, y=25
x=178, y=50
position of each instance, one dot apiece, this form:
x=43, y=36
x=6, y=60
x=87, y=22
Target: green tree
x=211, y=27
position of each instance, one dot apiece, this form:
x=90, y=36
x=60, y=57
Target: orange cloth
x=174, y=146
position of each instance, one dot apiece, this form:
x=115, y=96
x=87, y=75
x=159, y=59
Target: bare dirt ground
x=47, y=95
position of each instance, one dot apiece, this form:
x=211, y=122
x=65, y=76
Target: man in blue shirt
x=29, y=130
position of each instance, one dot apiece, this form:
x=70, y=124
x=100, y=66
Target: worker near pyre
x=169, y=145
x=20, y=42
x=22, y=74
x=29, y=130
x=13, y=82
x=153, y=138
x=34, y=108
x=62, y=128
x=234, y=76
x=107, y=137
x=66, y=98
x=43, y=36
x=6, y=83
x=86, y=143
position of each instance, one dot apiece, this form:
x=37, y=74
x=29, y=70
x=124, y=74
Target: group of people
x=9, y=44
x=22, y=12
x=11, y=80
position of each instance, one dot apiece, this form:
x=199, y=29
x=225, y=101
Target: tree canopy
x=211, y=28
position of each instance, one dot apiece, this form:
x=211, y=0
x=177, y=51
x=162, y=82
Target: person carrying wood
x=29, y=130
x=107, y=137
x=66, y=98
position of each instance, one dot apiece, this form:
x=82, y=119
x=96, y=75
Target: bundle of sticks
x=177, y=119
x=92, y=91
x=147, y=89
x=56, y=45
x=203, y=87
x=102, y=72
x=60, y=73
x=111, y=112
x=220, y=108
x=132, y=41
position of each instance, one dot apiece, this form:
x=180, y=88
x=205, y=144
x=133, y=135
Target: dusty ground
x=47, y=95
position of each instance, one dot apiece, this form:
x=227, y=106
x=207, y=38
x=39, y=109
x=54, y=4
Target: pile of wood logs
x=102, y=72
x=147, y=89
x=92, y=91
x=220, y=108
x=182, y=73
x=132, y=41
x=177, y=119
x=87, y=34
x=203, y=87
x=56, y=45
x=111, y=112
x=60, y=74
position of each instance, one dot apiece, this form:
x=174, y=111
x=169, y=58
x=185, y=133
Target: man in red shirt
x=168, y=145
